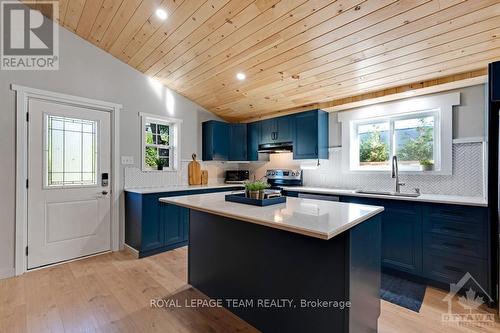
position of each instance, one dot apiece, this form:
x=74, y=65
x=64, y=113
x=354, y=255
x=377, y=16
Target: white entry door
x=68, y=200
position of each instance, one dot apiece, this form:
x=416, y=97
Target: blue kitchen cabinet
x=253, y=140
x=224, y=141
x=434, y=243
x=456, y=241
x=306, y=131
x=215, y=136
x=401, y=233
x=268, y=130
x=278, y=129
x=152, y=227
x=310, y=135
x=284, y=129
x=238, y=142
x=176, y=220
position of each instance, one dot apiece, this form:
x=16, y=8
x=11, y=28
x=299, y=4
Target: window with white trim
x=160, y=143
x=413, y=138
x=418, y=130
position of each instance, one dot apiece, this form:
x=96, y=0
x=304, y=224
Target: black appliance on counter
x=237, y=176
x=278, y=178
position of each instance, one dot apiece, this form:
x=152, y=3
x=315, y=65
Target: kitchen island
x=302, y=266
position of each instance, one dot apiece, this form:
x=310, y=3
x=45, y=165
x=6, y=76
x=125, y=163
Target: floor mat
x=407, y=294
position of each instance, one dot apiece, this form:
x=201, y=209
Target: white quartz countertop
x=316, y=218
x=433, y=198
x=175, y=188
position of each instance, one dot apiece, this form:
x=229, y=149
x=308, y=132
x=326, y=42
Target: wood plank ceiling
x=294, y=53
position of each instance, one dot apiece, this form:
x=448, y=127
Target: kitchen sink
x=394, y=194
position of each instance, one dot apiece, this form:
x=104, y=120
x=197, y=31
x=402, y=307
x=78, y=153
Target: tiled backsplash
x=466, y=180
x=135, y=177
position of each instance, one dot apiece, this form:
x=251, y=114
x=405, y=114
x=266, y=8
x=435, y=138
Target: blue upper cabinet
x=267, y=130
x=310, y=135
x=223, y=141
x=238, y=142
x=284, y=129
x=253, y=140
x=307, y=131
x=215, y=140
x=277, y=130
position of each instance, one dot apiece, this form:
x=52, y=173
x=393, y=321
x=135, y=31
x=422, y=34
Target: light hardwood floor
x=112, y=293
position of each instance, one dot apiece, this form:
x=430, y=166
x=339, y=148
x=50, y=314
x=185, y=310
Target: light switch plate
x=127, y=160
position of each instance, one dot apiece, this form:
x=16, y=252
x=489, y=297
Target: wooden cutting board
x=204, y=177
x=194, y=172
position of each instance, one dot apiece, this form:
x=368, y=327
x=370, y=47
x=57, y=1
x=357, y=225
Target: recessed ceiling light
x=241, y=76
x=162, y=14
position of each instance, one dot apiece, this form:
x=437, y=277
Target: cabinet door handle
x=316, y=149
x=451, y=212
x=458, y=246
x=453, y=268
x=452, y=229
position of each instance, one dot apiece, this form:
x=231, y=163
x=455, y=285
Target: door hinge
x=27, y=116
x=27, y=183
x=26, y=251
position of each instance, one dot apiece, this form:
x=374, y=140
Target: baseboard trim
x=7, y=273
x=129, y=249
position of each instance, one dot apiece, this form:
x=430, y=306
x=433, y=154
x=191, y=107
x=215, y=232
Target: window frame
x=354, y=164
x=174, y=141
x=443, y=103
x=45, y=142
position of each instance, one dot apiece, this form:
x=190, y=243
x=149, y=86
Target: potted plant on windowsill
x=159, y=164
x=426, y=165
x=255, y=190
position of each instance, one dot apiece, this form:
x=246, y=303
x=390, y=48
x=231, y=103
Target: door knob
x=104, y=192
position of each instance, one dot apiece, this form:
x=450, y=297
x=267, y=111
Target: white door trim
x=23, y=94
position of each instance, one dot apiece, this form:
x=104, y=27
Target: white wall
x=89, y=72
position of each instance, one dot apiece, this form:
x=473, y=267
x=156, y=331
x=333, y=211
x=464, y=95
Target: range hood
x=276, y=148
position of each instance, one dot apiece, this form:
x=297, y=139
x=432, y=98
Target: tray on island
x=241, y=198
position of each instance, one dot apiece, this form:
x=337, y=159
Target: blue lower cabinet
x=152, y=227
x=401, y=234
x=290, y=194
x=447, y=269
x=176, y=221
x=456, y=242
x=437, y=243
x=402, y=238
x=148, y=236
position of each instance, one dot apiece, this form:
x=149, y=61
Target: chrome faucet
x=395, y=174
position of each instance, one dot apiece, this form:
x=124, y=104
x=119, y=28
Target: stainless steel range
x=278, y=178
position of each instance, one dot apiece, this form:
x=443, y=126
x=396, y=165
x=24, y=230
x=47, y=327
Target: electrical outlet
x=127, y=160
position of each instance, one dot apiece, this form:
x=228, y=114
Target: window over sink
x=418, y=131
x=412, y=138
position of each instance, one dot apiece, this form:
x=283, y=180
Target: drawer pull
x=459, y=246
x=451, y=212
x=452, y=229
x=454, y=269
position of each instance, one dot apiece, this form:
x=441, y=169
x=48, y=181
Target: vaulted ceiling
x=294, y=53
